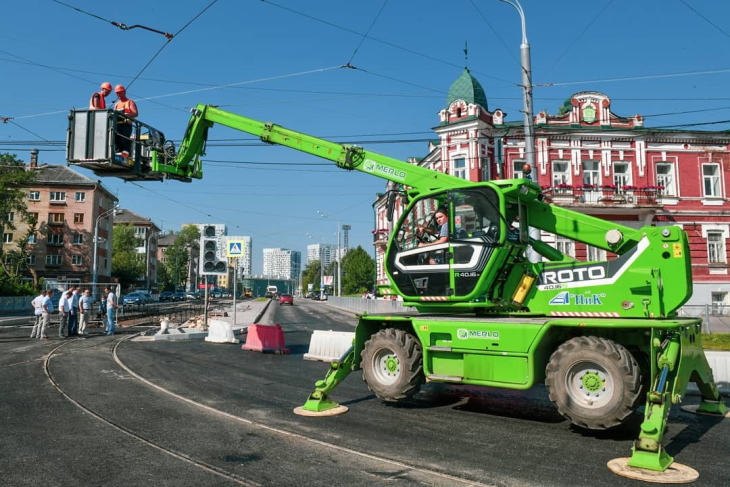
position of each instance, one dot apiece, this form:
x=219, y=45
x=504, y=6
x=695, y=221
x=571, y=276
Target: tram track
x=438, y=478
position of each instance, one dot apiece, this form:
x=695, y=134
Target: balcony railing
x=604, y=195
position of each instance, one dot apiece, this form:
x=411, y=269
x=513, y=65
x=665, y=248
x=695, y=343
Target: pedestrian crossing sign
x=235, y=248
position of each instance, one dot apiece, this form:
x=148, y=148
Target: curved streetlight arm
x=95, y=273
x=338, y=257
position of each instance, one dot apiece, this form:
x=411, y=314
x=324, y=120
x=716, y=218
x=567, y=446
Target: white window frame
x=34, y=195
x=10, y=216
x=621, y=174
x=711, y=183
x=565, y=245
x=595, y=254
x=720, y=247
x=32, y=239
x=30, y=260
x=517, y=166
x=7, y=238
x=55, y=239
x=560, y=175
x=78, y=239
x=80, y=196
x=460, y=172
x=76, y=259
x=666, y=180
x=591, y=172
x=57, y=196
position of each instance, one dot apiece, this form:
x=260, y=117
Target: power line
x=410, y=51
x=367, y=32
x=168, y=41
x=115, y=24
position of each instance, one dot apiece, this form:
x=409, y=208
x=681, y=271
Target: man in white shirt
x=64, y=307
x=111, y=308
x=46, y=315
x=86, y=303
x=37, y=304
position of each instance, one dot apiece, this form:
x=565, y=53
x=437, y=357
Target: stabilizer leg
x=319, y=403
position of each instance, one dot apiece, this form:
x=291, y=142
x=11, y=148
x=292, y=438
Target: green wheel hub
x=592, y=382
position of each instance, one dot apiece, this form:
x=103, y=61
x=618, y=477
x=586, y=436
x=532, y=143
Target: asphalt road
x=115, y=412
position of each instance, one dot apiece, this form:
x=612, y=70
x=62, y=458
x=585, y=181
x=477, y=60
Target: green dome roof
x=467, y=88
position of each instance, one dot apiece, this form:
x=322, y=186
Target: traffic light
x=213, y=261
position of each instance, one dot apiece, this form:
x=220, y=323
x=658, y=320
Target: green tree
x=14, y=182
x=311, y=275
x=176, y=265
x=566, y=107
x=128, y=266
x=358, y=271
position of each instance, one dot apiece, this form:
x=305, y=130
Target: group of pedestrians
x=75, y=308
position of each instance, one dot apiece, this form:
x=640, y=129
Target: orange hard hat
x=106, y=86
x=119, y=88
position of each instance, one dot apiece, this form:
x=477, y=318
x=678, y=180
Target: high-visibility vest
x=100, y=100
x=124, y=105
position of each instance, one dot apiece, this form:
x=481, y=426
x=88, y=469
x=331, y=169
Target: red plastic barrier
x=264, y=338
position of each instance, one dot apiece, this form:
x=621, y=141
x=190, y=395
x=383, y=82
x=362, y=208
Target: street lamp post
x=526, y=89
x=338, y=256
x=95, y=273
x=149, y=243
x=525, y=64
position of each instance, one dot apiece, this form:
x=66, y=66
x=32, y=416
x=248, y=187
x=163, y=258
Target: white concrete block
x=220, y=332
x=328, y=346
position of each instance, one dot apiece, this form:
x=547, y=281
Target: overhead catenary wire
x=115, y=24
x=168, y=41
x=367, y=32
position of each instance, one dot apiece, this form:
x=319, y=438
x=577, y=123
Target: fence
x=714, y=319
x=370, y=306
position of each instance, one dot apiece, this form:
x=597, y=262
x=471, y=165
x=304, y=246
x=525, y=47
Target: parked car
x=286, y=299
x=165, y=296
x=193, y=295
x=137, y=297
x=179, y=296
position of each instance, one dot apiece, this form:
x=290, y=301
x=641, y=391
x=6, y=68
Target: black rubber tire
x=594, y=382
x=392, y=365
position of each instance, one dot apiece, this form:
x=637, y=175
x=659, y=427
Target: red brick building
x=68, y=208
x=599, y=163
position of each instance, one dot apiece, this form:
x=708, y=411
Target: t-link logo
x=379, y=169
x=565, y=298
x=464, y=334
x=574, y=274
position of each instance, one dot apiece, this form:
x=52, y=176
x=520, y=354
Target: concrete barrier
x=328, y=346
x=220, y=332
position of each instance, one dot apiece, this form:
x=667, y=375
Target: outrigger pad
x=676, y=473
x=327, y=412
x=694, y=409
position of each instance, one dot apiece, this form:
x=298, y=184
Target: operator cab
x=451, y=270
x=94, y=143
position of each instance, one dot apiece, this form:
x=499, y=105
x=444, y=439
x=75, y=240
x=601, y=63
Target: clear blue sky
x=279, y=61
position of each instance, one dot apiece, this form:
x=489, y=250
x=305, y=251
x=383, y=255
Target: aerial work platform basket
x=111, y=144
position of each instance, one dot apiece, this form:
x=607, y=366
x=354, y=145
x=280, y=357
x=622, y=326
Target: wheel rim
x=386, y=366
x=589, y=384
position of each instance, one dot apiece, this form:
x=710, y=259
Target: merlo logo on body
x=464, y=334
x=384, y=171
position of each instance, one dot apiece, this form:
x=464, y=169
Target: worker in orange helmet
x=97, y=101
x=123, y=139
